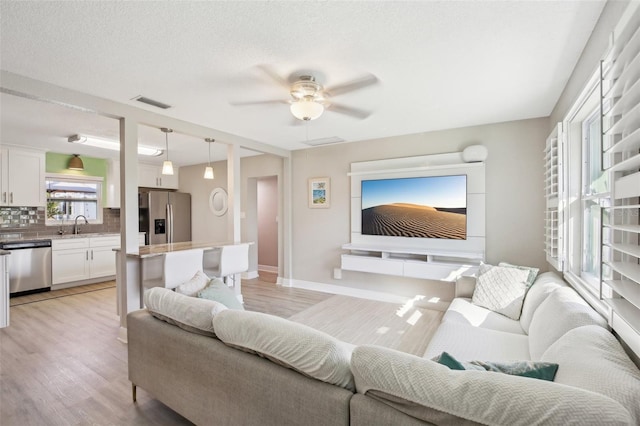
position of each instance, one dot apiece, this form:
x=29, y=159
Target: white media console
x=426, y=258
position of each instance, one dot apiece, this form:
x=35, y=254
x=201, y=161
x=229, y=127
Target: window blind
x=620, y=108
x=553, y=241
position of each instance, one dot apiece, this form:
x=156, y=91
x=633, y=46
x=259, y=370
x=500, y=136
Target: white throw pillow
x=591, y=358
x=292, y=345
x=393, y=378
x=194, y=285
x=501, y=289
x=190, y=313
x=562, y=310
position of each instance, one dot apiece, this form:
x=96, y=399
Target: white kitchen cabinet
x=69, y=260
x=4, y=290
x=113, y=185
x=22, y=177
x=150, y=176
x=79, y=259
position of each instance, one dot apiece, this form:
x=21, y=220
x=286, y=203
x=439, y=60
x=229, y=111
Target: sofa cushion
x=533, y=272
x=463, y=311
x=562, y=310
x=537, y=293
x=194, y=285
x=501, y=289
x=220, y=292
x=190, y=313
x=533, y=369
x=467, y=343
x=591, y=358
x=492, y=399
x=296, y=346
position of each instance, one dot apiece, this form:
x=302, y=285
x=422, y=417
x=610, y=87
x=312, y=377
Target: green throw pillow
x=533, y=272
x=535, y=370
x=220, y=292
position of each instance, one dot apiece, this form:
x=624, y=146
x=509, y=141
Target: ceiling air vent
x=151, y=102
x=324, y=141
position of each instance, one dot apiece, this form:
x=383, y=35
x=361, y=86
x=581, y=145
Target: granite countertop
x=160, y=249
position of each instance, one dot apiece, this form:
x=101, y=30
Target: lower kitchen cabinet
x=79, y=259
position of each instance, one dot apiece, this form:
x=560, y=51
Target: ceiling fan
x=308, y=98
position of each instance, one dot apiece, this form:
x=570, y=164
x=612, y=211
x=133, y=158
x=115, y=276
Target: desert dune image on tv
x=422, y=207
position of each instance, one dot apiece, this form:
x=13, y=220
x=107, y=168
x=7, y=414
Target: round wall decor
x=218, y=201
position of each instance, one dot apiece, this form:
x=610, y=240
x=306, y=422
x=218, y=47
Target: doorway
x=267, y=221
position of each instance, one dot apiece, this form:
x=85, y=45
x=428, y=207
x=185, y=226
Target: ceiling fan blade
x=273, y=75
x=352, y=85
x=346, y=110
x=266, y=102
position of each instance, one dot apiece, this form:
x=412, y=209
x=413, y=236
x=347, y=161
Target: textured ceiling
x=439, y=64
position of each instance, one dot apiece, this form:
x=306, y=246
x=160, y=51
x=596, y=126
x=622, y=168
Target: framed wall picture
x=319, y=193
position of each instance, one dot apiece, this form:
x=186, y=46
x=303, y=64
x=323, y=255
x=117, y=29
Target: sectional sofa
x=229, y=367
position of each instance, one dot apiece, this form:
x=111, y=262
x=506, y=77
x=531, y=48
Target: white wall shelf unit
x=424, y=258
x=620, y=236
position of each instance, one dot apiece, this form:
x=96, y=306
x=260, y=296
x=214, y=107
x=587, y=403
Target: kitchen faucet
x=76, y=230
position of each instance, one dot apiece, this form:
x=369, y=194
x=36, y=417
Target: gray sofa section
x=210, y=383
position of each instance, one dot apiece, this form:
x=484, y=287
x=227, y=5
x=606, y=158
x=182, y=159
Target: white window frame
x=77, y=178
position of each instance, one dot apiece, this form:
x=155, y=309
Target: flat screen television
x=419, y=207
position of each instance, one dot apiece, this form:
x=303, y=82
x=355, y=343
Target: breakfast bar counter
x=161, y=249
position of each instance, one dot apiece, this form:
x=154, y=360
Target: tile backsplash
x=30, y=222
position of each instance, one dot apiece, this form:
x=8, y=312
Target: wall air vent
x=151, y=102
x=324, y=141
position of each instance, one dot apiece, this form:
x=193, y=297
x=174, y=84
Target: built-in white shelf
x=433, y=264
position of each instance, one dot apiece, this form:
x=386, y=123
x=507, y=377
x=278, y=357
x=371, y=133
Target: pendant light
x=75, y=163
x=208, y=171
x=167, y=166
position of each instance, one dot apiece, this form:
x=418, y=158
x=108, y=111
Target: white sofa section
x=556, y=325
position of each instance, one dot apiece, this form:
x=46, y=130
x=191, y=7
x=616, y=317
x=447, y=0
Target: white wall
x=515, y=203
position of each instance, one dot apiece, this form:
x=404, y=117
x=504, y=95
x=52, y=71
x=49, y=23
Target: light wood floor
x=61, y=364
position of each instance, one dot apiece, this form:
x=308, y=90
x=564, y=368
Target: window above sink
x=70, y=196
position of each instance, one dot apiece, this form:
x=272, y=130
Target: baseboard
x=249, y=275
x=122, y=335
x=268, y=268
x=344, y=291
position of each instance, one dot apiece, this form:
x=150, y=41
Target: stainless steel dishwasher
x=29, y=265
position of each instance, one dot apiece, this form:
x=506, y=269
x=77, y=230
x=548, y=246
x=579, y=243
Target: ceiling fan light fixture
x=306, y=109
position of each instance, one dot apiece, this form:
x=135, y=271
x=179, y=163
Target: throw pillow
x=501, y=289
x=220, y=292
x=189, y=313
x=194, y=285
x=533, y=272
x=535, y=370
x=292, y=345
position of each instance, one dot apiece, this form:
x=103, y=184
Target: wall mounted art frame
x=320, y=193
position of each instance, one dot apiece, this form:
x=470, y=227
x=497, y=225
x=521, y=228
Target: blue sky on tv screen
x=434, y=191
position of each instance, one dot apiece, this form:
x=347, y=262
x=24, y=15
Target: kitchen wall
x=514, y=200
x=29, y=222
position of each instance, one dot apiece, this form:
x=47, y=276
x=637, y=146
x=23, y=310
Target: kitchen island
x=161, y=265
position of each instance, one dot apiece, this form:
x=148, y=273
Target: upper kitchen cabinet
x=22, y=177
x=150, y=176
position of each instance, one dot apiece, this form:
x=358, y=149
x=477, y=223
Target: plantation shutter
x=620, y=106
x=553, y=221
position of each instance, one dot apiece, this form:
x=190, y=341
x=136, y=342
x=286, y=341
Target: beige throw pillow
x=501, y=289
x=194, y=285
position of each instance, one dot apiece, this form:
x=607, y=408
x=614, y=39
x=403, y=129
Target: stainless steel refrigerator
x=165, y=216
